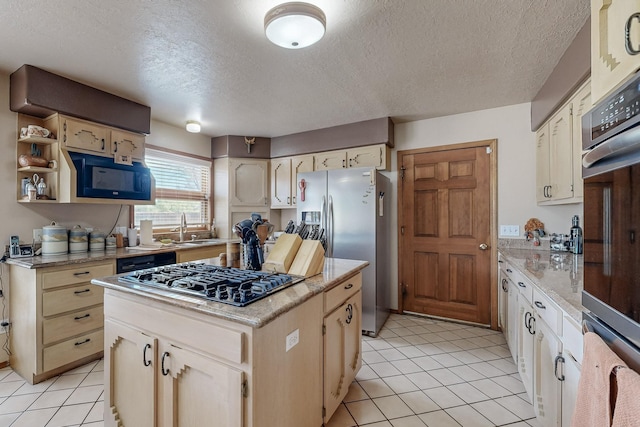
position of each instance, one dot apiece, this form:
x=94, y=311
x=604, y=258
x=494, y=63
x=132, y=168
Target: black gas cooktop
x=221, y=284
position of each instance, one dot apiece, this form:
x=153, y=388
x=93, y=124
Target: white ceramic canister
x=96, y=240
x=55, y=240
x=78, y=240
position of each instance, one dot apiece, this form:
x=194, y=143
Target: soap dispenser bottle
x=576, y=235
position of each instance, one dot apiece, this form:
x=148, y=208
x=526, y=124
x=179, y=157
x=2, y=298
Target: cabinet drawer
x=572, y=338
x=71, y=276
x=69, y=325
x=548, y=311
x=70, y=299
x=524, y=286
x=72, y=350
x=337, y=295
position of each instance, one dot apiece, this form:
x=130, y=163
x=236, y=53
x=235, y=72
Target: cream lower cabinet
x=615, y=43
x=56, y=318
x=203, y=252
x=549, y=350
x=342, y=341
x=170, y=366
x=169, y=385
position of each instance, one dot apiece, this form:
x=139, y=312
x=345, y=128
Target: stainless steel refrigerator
x=353, y=206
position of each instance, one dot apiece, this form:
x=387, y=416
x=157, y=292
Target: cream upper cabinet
x=248, y=182
x=76, y=133
x=615, y=44
x=284, y=181
x=330, y=160
x=373, y=156
x=559, y=152
x=125, y=143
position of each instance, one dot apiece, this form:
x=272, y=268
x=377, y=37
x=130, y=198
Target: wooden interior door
x=446, y=206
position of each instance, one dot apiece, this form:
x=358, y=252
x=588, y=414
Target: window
x=183, y=184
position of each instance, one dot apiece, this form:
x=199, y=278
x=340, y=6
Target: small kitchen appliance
x=214, y=283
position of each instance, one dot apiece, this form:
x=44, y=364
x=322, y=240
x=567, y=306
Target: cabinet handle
x=349, y=310
x=81, y=292
x=532, y=325
x=509, y=270
x=294, y=200
x=500, y=261
x=81, y=273
x=115, y=143
x=504, y=285
x=82, y=317
x=344, y=163
x=164, y=372
x=540, y=305
x=144, y=355
x=288, y=200
x=103, y=144
x=627, y=39
x=522, y=285
x=83, y=342
x=559, y=359
x=349, y=286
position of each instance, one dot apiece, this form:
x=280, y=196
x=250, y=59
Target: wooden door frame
x=493, y=214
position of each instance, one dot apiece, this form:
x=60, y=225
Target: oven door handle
x=626, y=142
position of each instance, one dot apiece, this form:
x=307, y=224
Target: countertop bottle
x=576, y=235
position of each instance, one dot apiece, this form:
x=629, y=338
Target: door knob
x=483, y=246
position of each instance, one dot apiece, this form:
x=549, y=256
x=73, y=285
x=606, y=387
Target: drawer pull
x=560, y=359
x=504, y=285
x=349, y=286
x=83, y=273
x=509, y=270
x=82, y=292
x=83, y=342
x=144, y=355
x=82, y=317
x=540, y=305
x=522, y=285
x=164, y=372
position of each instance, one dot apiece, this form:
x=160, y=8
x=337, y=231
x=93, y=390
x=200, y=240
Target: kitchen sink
x=200, y=242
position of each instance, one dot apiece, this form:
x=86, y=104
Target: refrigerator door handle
x=323, y=214
x=330, y=228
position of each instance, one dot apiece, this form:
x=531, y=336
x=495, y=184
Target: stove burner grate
x=221, y=284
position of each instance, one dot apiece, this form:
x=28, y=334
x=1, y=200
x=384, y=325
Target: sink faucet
x=183, y=226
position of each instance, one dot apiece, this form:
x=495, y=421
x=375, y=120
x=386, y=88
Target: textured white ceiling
x=209, y=60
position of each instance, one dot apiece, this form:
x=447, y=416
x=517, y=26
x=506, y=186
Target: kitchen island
x=285, y=360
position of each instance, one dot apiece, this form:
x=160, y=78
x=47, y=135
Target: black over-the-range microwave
x=611, y=172
x=101, y=177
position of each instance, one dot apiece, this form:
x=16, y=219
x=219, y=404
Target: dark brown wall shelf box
x=40, y=93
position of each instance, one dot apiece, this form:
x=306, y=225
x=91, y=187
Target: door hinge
x=402, y=230
x=324, y=329
x=402, y=169
x=324, y=412
x=245, y=388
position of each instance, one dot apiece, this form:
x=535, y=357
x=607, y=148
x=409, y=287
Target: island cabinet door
x=197, y=391
x=342, y=351
x=130, y=380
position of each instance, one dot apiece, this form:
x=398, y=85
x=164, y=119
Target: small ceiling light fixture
x=193, y=126
x=295, y=25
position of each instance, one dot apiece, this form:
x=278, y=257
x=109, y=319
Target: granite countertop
x=558, y=274
x=79, y=258
x=258, y=313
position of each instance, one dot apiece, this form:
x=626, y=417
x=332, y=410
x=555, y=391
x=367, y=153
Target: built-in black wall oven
x=611, y=172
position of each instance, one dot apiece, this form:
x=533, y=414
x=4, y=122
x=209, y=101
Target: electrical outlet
x=292, y=339
x=509, y=230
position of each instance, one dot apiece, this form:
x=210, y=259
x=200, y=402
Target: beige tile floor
x=418, y=372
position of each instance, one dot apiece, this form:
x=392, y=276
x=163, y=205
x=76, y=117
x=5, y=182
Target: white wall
x=20, y=219
x=511, y=126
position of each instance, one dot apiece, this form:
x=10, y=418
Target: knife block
x=309, y=260
x=283, y=253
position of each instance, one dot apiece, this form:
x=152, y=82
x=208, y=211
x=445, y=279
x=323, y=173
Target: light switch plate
x=510, y=230
x=292, y=339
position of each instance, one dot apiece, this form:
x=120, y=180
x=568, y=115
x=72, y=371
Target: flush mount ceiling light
x=295, y=25
x=193, y=126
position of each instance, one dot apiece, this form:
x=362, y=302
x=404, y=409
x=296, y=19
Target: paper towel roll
x=146, y=232
x=132, y=234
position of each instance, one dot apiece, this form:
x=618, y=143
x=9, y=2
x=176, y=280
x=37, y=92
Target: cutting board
x=283, y=253
x=309, y=260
